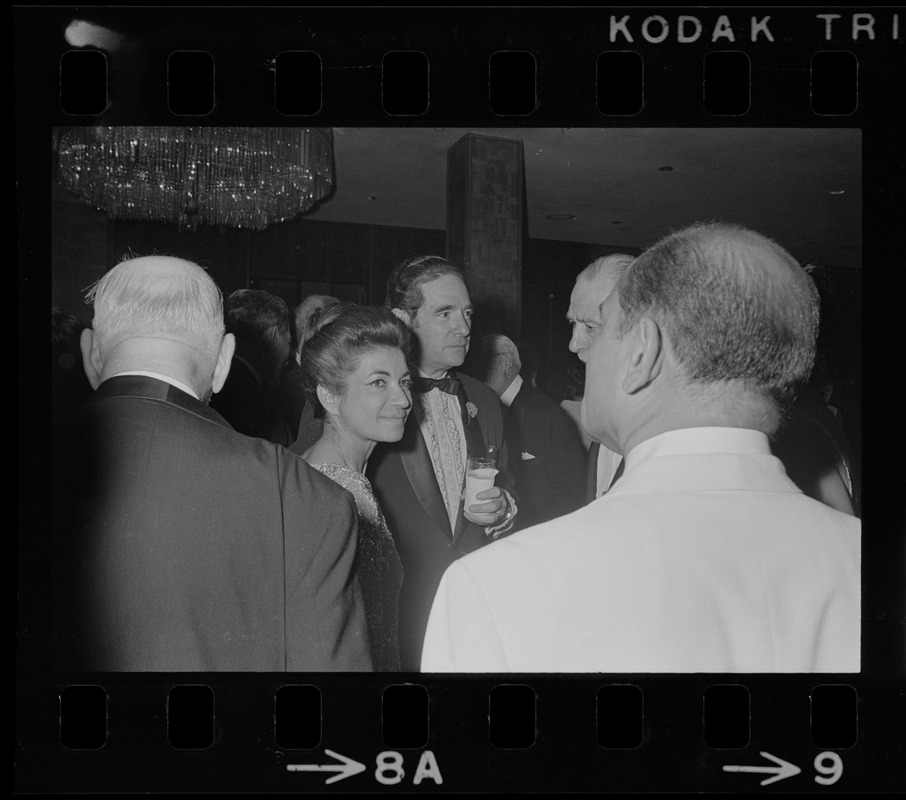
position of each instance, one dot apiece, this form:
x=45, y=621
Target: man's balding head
x=158, y=297
x=158, y=314
x=736, y=306
x=304, y=312
x=500, y=361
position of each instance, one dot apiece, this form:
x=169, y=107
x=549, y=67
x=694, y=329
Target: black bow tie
x=447, y=384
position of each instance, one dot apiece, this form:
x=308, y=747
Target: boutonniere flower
x=471, y=410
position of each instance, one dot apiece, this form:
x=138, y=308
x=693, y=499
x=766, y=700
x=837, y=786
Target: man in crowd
x=306, y=428
x=592, y=286
x=547, y=459
x=68, y=383
x=250, y=399
x=180, y=544
x=419, y=480
x=303, y=313
x=705, y=556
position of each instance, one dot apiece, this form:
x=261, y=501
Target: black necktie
x=447, y=384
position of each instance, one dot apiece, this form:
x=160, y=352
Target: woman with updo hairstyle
x=356, y=376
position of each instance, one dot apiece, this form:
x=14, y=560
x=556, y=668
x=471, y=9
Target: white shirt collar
x=511, y=391
x=426, y=375
x=165, y=378
x=699, y=440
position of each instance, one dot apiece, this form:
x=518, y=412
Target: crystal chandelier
x=239, y=177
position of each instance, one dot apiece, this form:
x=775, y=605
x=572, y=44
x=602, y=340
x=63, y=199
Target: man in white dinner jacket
x=704, y=557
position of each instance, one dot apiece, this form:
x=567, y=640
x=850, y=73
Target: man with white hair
x=179, y=543
x=592, y=286
x=705, y=556
x=547, y=459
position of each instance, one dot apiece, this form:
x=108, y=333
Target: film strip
x=821, y=68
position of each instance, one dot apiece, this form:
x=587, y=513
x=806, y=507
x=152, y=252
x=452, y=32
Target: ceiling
x=801, y=187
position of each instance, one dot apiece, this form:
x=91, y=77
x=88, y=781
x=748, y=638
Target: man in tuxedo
x=592, y=286
x=705, y=556
x=179, y=543
x=547, y=459
x=251, y=398
x=419, y=480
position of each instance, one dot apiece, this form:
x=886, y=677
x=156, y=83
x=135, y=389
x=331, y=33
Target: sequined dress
x=380, y=568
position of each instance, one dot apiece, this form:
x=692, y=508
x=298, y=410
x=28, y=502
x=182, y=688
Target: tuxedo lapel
x=420, y=472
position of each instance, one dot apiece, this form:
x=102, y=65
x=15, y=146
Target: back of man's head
x=304, y=311
x=737, y=308
x=253, y=312
x=66, y=329
x=158, y=298
x=496, y=344
x=500, y=362
x=69, y=383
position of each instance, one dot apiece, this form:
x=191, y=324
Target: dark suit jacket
x=547, y=459
x=251, y=408
x=291, y=396
x=591, y=474
x=815, y=452
x=406, y=488
x=310, y=430
x=180, y=544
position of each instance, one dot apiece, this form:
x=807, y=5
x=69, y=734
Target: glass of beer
x=480, y=474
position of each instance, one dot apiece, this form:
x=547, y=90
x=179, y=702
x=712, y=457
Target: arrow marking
x=783, y=769
x=346, y=769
